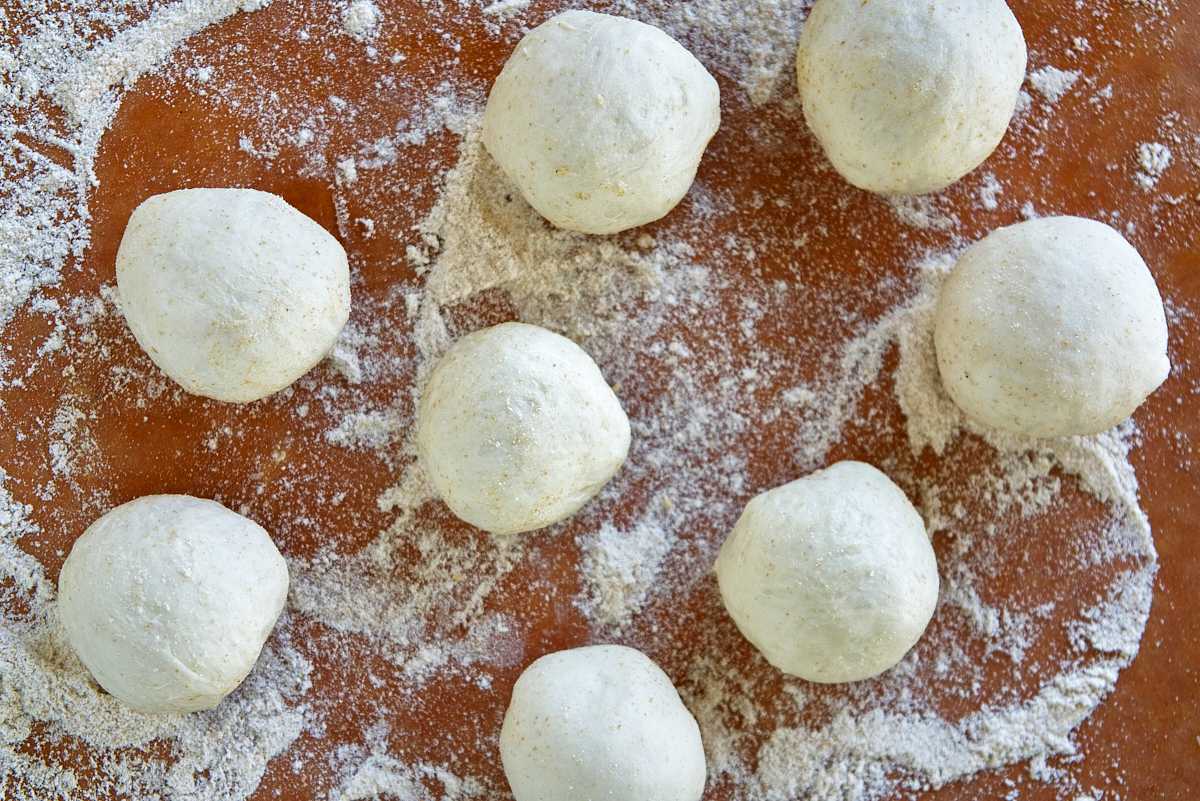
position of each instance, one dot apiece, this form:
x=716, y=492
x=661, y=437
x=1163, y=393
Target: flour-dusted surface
x=776, y=322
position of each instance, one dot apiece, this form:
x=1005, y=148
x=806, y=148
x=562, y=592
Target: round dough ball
x=602, y=722
x=517, y=428
x=232, y=292
x=1050, y=328
x=906, y=98
x=831, y=577
x=168, y=600
x=601, y=121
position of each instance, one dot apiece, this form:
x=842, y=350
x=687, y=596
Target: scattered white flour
x=372, y=429
x=921, y=211
x=379, y=774
x=989, y=192
x=424, y=625
x=1153, y=159
x=361, y=19
x=505, y=8
x=1053, y=83
x=397, y=611
x=872, y=740
x=43, y=205
x=620, y=569
x=753, y=43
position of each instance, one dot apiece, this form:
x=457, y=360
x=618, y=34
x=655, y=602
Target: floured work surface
x=775, y=322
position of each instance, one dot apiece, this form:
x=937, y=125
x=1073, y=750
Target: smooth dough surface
x=601, y=723
x=831, y=577
x=904, y=97
x=168, y=600
x=601, y=121
x=1051, y=327
x=232, y=292
x=517, y=429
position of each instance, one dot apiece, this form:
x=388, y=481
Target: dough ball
x=602, y=722
x=232, y=292
x=831, y=577
x=906, y=98
x=168, y=600
x=517, y=428
x=601, y=121
x=1051, y=327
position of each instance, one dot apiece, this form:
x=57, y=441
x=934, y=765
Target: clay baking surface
x=852, y=254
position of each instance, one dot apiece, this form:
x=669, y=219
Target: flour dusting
x=764, y=329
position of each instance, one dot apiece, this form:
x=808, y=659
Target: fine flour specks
x=1153, y=159
x=361, y=19
x=692, y=322
x=619, y=569
x=1053, y=83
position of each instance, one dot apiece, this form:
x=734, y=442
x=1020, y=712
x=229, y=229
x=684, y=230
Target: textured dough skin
x=168, y=600
x=232, y=292
x=1051, y=327
x=904, y=97
x=601, y=121
x=601, y=723
x=517, y=429
x=831, y=577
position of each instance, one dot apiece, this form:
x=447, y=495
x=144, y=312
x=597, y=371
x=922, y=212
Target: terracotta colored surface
x=165, y=137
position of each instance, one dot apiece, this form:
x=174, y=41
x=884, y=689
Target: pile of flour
x=689, y=321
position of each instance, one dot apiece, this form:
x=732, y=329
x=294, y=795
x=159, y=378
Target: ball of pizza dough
x=517, y=429
x=906, y=98
x=168, y=600
x=1051, y=327
x=601, y=722
x=232, y=292
x=601, y=121
x=831, y=577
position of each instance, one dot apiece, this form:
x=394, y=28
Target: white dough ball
x=601, y=722
x=517, y=429
x=601, y=121
x=1051, y=327
x=232, y=292
x=168, y=600
x=906, y=98
x=831, y=577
